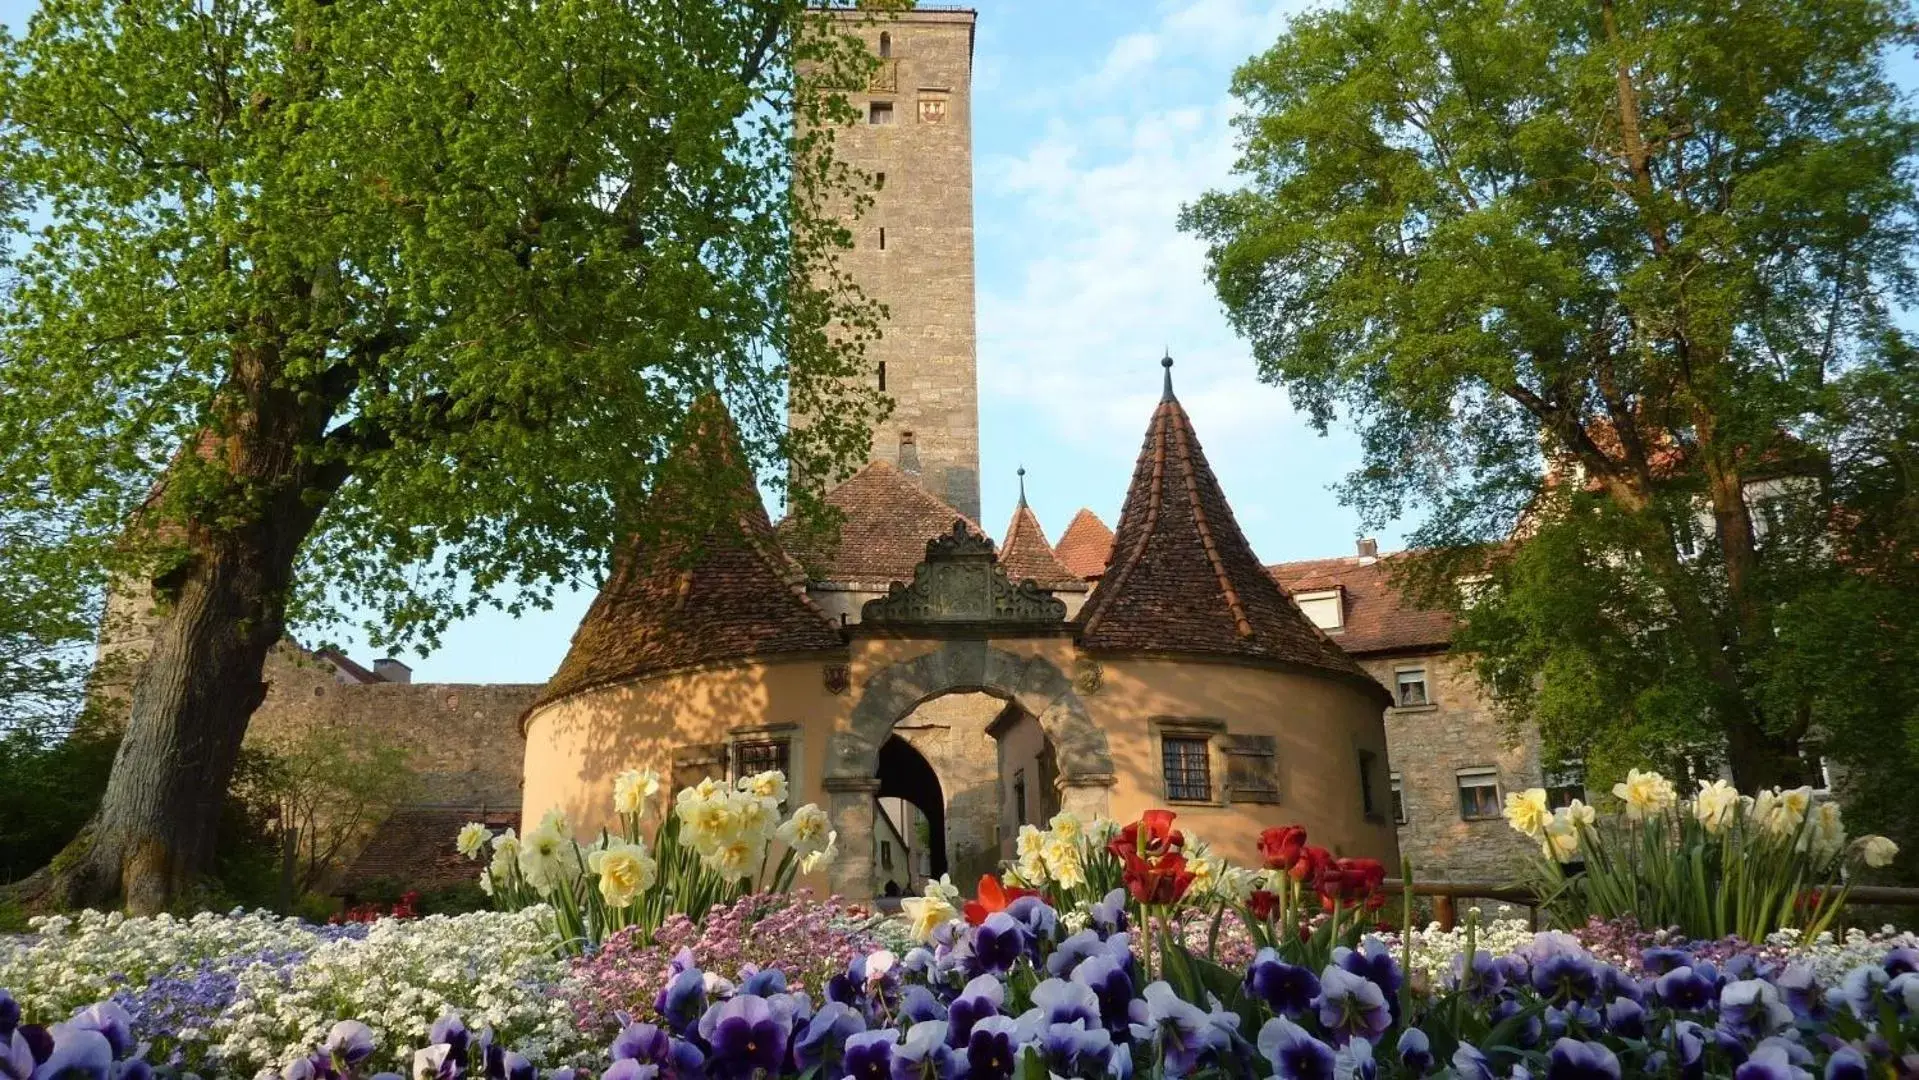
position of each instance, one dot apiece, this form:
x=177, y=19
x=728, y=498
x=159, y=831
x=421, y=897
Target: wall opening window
x=1479, y=793
x=882, y=238
x=1324, y=608
x=882, y=375
x=886, y=854
x=1410, y=686
x=1019, y=797
x=1188, y=774
x=1566, y=783
x=1368, y=765
x=1399, y=801
x=886, y=45
x=753, y=758
x=879, y=112
x=879, y=180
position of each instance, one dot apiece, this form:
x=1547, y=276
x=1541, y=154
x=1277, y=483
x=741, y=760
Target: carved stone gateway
x=960, y=581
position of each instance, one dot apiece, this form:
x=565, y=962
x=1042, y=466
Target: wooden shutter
x=692, y=764
x=1252, y=768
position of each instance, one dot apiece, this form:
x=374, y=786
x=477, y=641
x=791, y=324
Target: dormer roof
x=1183, y=578
x=886, y=520
x=1085, y=545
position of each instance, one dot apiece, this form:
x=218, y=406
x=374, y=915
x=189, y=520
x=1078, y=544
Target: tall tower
x=913, y=250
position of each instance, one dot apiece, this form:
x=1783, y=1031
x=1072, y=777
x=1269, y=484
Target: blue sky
x=1094, y=120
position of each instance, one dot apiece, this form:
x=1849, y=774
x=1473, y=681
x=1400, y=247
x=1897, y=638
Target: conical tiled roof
x=886, y=520
x=1026, y=554
x=1183, y=579
x=733, y=595
x=1085, y=545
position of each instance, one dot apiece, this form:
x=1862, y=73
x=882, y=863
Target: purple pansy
x=1287, y=989
x=1352, y=1006
x=1294, y=1053
x=924, y=1054
x=868, y=1055
x=746, y=1034
x=1572, y=1059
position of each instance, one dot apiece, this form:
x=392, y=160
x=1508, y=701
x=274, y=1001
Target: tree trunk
x=155, y=830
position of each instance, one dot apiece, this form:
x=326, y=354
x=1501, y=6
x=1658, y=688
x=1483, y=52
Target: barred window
x=751, y=758
x=1188, y=775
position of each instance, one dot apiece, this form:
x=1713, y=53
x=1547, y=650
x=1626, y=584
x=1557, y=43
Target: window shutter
x=692, y=764
x=1252, y=768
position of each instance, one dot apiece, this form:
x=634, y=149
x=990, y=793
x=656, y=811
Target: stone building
x=934, y=689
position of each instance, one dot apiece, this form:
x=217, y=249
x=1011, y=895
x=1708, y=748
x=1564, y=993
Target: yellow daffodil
x=625, y=870
x=1716, y=806
x=1527, y=812
x=1646, y=794
x=927, y=914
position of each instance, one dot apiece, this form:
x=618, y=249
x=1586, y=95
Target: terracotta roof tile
x=1026, y=554
x=1085, y=545
x=735, y=594
x=415, y=847
x=1183, y=578
x=1378, y=618
x=887, y=518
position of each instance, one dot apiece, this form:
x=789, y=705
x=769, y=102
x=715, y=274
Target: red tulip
x=1263, y=904
x=1312, y=861
x=1160, y=836
x=992, y=897
x=1281, y=845
x=1159, y=879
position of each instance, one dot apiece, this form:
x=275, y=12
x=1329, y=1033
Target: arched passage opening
x=910, y=835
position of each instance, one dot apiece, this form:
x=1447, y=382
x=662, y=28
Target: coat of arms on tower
x=837, y=678
x=932, y=110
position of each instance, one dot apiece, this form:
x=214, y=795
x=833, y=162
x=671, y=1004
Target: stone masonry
x=1428, y=746
x=913, y=250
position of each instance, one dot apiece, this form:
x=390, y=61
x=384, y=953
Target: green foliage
x=49, y=786
x=317, y=795
x=1607, y=291
x=451, y=276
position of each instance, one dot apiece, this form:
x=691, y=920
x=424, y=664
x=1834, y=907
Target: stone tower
x=913, y=250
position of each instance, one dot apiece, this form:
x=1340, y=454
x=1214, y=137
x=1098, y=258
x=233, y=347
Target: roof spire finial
x=1022, y=486
x=1167, y=363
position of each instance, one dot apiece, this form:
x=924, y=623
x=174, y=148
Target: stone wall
x=462, y=739
x=1427, y=746
x=913, y=249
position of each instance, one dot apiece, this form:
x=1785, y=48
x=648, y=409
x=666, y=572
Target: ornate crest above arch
x=960, y=581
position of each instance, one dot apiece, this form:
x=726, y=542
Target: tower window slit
x=882, y=376
x=882, y=238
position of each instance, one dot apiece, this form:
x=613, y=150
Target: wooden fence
x=1447, y=894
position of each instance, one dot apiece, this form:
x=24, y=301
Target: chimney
x=909, y=454
x=1368, y=549
x=388, y=669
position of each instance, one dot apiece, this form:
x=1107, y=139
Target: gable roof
x=730, y=595
x=1183, y=577
x=886, y=520
x=1378, y=617
x=1085, y=545
x=1026, y=554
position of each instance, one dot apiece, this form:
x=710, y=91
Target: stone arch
x=1035, y=683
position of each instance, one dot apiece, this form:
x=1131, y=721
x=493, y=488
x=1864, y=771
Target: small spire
x=1022, y=487
x=1167, y=363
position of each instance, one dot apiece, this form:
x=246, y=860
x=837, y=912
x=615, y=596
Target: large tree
x=1608, y=290
x=394, y=306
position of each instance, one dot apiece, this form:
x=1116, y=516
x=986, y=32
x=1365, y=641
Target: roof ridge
x=1242, y=624
x=1113, y=583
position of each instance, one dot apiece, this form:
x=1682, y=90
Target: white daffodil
x=473, y=839
x=736, y=857
x=926, y=914
x=1646, y=794
x=1527, y=811
x=1067, y=825
x=1560, y=837
x=625, y=871
x=633, y=790
x=805, y=832
x=544, y=855
x=770, y=784
x=1877, y=851
x=1716, y=806
x=824, y=856
x=1061, y=857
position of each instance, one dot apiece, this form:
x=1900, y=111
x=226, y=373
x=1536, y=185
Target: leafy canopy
x=459, y=267
x=1601, y=279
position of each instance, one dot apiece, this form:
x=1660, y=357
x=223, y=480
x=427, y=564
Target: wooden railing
x=1447, y=894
